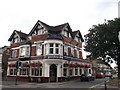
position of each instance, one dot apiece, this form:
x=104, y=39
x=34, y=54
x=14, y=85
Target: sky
x=80, y=14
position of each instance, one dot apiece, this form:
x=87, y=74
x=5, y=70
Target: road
x=99, y=83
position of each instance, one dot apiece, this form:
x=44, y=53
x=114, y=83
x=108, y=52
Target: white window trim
x=22, y=71
x=14, y=53
x=38, y=49
x=25, y=46
x=13, y=71
x=54, y=49
x=39, y=72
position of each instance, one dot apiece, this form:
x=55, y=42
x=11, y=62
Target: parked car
x=87, y=77
x=100, y=75
x=108, y=74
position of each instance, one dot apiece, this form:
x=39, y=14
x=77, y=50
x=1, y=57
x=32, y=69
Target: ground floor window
x=24, y=71
x=65, y=72
x=71, y=72
x=85, y=71
x=76, y=71
x=80, y=71
x=89, y=71
x=37, y=71
x=12, y=71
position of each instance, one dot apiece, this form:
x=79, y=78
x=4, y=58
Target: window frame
x=25, y=52
x=14, y=53
x=39, y=49
x=76, y=71
x=80, y=71
x=54, y=49
x=71, y=71
x=33, y=71
x=65, y=73
x=26, y=71
x=13, y=71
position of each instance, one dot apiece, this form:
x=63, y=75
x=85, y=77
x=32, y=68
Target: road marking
x=97, y=84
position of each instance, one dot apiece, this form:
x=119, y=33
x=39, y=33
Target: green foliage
x=102, y=40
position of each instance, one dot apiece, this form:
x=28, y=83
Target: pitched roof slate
x=21, y=34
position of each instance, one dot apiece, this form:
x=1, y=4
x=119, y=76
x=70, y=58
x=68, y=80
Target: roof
x=74, y=33
x=48, y=27
x=21, y=34
x=58, y=27
x=53, y=31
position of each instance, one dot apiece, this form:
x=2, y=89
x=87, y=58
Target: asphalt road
x=99, y=83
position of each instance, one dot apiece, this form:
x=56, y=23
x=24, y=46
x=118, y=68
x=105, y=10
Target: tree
x=102, y=41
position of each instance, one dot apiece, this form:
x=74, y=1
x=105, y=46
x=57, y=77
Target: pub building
x=47, y=54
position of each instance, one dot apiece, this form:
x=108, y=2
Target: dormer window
x=66, y=33
x=44, y=30
x=77, y=39
x=40, y=31
x=16, y=40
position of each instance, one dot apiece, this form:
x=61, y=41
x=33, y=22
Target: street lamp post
x=17, y=66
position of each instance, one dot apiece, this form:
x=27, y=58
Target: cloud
x=80, y=14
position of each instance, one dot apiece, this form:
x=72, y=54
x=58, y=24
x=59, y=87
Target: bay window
x=51, y=48
x=54, y=48
x=14, y=53
x=22, y=51
x=65, y=50
x=39, y=49
x=25, y=50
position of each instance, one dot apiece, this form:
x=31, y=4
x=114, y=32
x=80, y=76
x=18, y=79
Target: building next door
x=53, y=73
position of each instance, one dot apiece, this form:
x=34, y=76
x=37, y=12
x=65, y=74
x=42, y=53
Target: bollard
x=105, y=86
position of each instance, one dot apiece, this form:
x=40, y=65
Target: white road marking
x=98, y=84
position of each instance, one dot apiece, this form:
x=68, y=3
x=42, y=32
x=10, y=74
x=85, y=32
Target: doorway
x=53, y=73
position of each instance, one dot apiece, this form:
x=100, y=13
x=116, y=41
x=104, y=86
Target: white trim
x=33, y=45
x=38, y=42
x=25, y=54
x=24, y=45
x=15, y=48
x=53, y=41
